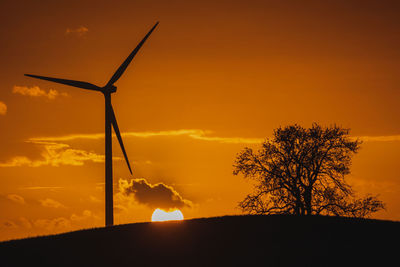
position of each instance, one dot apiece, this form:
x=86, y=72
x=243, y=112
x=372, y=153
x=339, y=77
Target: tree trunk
x=308, y=200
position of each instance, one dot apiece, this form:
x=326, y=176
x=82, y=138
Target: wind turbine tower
x=110, y=121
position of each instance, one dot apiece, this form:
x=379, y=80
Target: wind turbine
x=110, y=119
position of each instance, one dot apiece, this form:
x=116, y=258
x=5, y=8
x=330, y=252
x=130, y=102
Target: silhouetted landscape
x=286, y=112
x=275, y=240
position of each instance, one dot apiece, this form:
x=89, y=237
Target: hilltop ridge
x=278, y=240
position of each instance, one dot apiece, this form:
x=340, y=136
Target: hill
x=219, y=241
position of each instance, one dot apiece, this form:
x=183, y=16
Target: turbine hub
x=113, y=89
x=109, y=89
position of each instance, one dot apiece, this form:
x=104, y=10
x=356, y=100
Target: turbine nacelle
x=109, y=89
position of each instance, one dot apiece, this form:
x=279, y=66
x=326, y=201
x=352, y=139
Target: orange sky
x=214, y=77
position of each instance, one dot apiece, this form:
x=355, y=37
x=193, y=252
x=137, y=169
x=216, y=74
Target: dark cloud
x=155, y=196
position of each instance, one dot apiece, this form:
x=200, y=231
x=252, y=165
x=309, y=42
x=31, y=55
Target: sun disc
x=160, y=215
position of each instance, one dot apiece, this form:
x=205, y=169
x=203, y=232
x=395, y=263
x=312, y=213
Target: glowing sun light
x=161, y=216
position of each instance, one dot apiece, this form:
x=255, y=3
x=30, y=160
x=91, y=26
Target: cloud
x=53, y=225
x=25, y=223
x=86, y=214
x=51, y=203
x=41, y=188
x=62, y=224
x=8, y=224
x=55, y=154
x=3, y=108
x=197, y=134
x=24, y=227
x=68, y=137
x=383, y=138
x=80, y=31
x=157, y=195
x=94, y=199
x=16, y=198
x=35, y=91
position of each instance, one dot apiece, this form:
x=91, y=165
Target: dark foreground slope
x=223, y=241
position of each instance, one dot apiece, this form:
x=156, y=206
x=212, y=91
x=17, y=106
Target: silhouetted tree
x=302, y=171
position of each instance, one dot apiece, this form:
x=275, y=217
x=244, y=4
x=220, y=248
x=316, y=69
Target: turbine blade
x=79, y=84
x=116, y=130
x=128, y=60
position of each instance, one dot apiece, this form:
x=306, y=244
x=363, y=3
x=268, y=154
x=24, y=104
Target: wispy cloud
x=70, y=137
x=51, y=203
x=94, y=199
x=197, y=134
x=55, y=154
x=53, y=225
x=33, y=227
x=41, y=188
x=16, y=198
x=35, y=91
x=80, y=31
x=3, y=108
x=382, y=138
x=8, y=224
x=61, y=224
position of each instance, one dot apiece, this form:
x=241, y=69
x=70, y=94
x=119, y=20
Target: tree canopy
x=302, y=171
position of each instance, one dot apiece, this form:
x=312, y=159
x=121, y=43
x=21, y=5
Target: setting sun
x=161, y=216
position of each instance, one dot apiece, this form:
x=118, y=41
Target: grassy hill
x=220, y=241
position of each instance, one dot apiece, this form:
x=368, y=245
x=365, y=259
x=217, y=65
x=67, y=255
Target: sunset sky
x=213, y=78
